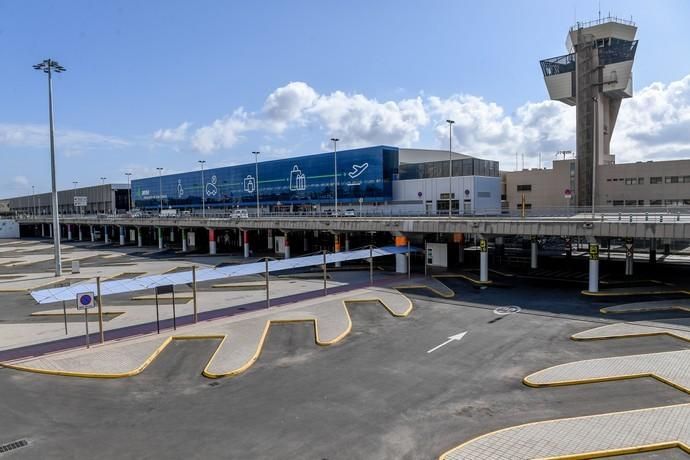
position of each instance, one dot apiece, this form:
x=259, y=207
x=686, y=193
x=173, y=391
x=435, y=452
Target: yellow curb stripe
x=632, y=293
x=633, y=334
x=605, y=310
x=611, y=452
x=465, y=277
x=222, y=337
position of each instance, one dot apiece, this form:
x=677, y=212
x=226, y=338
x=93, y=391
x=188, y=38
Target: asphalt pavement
x=378, y=394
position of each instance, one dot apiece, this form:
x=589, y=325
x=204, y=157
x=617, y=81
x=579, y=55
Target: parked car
x=349, y=213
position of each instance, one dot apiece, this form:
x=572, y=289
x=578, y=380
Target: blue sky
x=165, y=83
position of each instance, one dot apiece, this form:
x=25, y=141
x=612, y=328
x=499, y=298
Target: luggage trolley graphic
x=298, y=181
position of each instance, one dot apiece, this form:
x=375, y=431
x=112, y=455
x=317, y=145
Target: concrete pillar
x=240, y=241
x=534, y=254
x=140, y=243
x=347, y=242
x=69, y=232
x=172, y=234
x=500, y=246
x=667, y=248
x=184, y=240
x=652, y=251
x=43, y=231
x=287, y=245
x=93, y=235
x=50, y=230
x=629, y=254
x=245, y=242
x=269, y=239
x=81, y=234
x=483, y=260
x=400, y=259
x=336, y=247
x=461, y=248
x=160, y=238
x=122, y=235
x=211, y=241
x=106, y=237
x=306, y=242
x=593, y=267
x=568, y=247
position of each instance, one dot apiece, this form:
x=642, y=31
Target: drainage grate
x=13, y=445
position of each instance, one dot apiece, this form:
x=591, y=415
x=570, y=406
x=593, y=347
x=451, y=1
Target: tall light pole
x=203, y=190
x=129, y=193
x=160, y=189
x=256, y=164
x=33, y=200
x=335, y=171
x=450, y=168
x=74, y=193
x=48, y=66
x=595, y=147
x=105, y=209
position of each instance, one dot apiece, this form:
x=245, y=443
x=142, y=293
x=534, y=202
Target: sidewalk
x=240, y=338
x=148, y=327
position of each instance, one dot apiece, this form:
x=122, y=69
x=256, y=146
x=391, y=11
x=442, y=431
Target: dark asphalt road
x=376, y=395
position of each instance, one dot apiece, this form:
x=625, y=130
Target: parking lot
x=377, y=393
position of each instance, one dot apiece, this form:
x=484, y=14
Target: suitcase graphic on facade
x=298, y=181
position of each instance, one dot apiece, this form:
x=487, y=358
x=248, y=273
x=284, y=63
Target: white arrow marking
x=450, y=339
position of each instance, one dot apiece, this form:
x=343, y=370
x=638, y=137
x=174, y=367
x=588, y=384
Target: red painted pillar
x=245, y=240
x=211, y=241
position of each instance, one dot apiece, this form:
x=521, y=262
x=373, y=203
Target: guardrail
x=604, y=214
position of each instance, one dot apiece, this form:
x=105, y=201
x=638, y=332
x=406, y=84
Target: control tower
x=594, y=77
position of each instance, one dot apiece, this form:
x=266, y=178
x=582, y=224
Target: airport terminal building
x=379, y=179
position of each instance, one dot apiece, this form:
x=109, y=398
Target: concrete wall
x=406, y=193
x=612, y=187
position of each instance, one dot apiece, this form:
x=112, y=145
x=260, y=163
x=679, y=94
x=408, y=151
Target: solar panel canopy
x=208, y=274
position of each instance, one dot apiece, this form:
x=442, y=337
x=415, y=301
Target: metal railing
x=603, y=214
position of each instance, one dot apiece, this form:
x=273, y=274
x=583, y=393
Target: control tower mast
x=595, y=76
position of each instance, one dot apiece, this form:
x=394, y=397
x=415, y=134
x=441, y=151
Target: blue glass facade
x=303, y=181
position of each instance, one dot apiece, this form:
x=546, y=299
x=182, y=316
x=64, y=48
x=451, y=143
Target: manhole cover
x=507, y=310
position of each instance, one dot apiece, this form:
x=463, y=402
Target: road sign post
x=167, y=289
x=100, y=309
x=268, y=295
x=85, y=300
x=194, y=292
x=325, y=274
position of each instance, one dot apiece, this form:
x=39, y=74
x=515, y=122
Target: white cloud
x=36, y=135
x=173, y=134
x=21, y=180
x=655, y=123
x=223, y=133
x=359, y=121
x=287, y=104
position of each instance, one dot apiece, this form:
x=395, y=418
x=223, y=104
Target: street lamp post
x=256, y=186
x=74, y=193
x=129, y=193
x=33, y=200
x=203, y=190
x=49, y=66
x=335, y=171
x=105, y=208
x=450, y=167
x=160, y=189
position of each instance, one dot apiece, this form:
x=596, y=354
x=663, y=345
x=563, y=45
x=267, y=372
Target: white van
x=240, y=214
